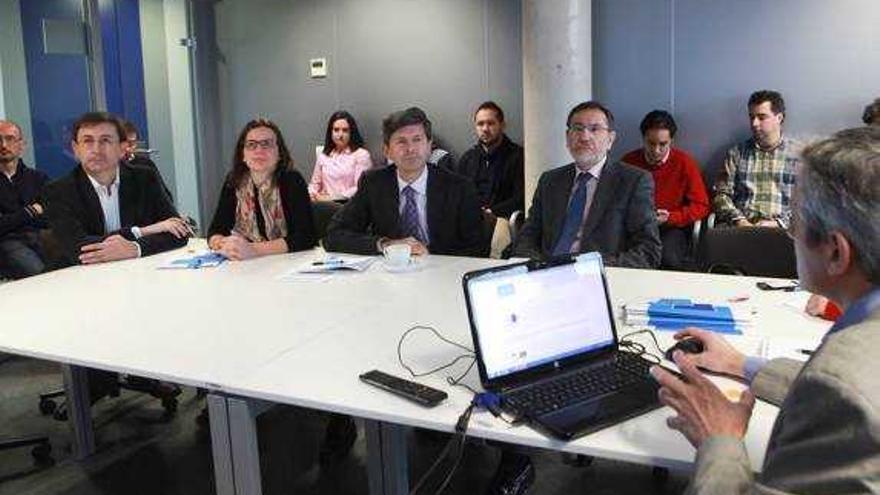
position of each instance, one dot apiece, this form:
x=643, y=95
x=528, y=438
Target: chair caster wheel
x=47, y=406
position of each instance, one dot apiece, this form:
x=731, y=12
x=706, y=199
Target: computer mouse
x=689, y=346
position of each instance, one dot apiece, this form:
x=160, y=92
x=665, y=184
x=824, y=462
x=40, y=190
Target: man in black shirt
x=138, y=157
x=494, y=164
x=21, y=213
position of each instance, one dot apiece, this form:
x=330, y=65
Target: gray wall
x=701, y=59
x=159, y=113
x=16, y=102
x=444, y=55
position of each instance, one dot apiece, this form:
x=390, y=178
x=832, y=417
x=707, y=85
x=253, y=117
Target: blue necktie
x=573, y=216
x=409, y=220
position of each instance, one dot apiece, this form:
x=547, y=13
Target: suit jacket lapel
x=128, y=193
x=601, y=198
x=94, y=214
x=435, y=203
x=390, y=200
x=557, y=202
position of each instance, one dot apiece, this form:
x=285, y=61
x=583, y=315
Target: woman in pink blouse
x=342, y=161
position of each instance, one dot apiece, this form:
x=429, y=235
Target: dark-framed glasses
x=254, y=144
x=591, y=128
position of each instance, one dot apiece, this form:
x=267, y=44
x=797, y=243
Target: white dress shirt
x=109, y=199
x=108, y=196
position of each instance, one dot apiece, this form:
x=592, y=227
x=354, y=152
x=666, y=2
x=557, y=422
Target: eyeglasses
x=10, y=139
x=102, y=142
x=592, y=128
x=266, y=144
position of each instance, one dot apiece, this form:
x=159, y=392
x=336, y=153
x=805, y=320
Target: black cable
x=458, y=457
x=457, y=382
x=431, y=469
x=458, y=441
x=626, y=343
x=439, y=336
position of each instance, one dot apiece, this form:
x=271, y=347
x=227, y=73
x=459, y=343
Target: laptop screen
x=525, y=318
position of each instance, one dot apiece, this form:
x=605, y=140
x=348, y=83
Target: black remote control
x=407, y=389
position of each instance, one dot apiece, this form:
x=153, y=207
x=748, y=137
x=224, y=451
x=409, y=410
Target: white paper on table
x=337, y=264
x=798, y=301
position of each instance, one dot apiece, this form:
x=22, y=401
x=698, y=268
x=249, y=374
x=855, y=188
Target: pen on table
x=328, y=262
x=805, y=351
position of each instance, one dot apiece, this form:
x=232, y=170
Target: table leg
x=79, y=410
x=221, y=449
x=387, y=461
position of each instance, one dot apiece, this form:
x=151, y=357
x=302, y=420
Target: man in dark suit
x=427, y=207
x=105, y=210
x=591, y=204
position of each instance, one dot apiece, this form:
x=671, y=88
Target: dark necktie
x=573, y=216
x=409, y=220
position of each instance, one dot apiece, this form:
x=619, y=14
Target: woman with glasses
x=342, y=161
x=264, y=206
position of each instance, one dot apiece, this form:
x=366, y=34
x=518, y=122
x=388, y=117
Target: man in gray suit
x=826, y=438
x=593, y=204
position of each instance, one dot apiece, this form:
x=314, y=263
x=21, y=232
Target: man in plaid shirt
x=754, y=187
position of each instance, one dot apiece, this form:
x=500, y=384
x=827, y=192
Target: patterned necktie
x=409, y=219
x=573, y=217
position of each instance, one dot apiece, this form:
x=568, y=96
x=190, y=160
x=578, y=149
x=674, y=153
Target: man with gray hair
x=826, y=438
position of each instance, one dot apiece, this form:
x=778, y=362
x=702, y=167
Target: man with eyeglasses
x=21, y=213
x=105, y=210
x=593, y=204
x=826, y=438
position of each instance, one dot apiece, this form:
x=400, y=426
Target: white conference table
x=252, y=339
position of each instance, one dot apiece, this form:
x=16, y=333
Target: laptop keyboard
x=626, y=370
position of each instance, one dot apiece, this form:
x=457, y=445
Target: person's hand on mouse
x=718, y=355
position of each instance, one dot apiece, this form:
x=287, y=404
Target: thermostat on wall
x=318, y=67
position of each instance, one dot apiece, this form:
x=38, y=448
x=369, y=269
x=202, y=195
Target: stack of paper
x=675, y=314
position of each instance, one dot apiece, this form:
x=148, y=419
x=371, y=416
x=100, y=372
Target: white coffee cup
x=397, y=255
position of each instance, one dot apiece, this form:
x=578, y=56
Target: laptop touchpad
x=590, y=416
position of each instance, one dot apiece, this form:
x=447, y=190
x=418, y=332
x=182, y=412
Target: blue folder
x=675, y=314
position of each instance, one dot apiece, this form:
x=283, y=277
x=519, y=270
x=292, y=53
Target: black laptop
x=546, y=342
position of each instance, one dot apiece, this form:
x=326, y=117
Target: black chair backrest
x=754, y=251
x=322, y=212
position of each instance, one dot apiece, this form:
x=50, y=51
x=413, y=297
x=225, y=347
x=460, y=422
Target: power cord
x=627, y=343
x=454, y=381
x=481, y=400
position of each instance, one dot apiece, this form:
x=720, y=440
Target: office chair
x=322, y=212
x=753, y=251
x=517, y=219
x=110, y=384
x=42, y=451
x=42, y=448
x=101, y=383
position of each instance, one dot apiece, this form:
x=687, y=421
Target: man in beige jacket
x=826, y=438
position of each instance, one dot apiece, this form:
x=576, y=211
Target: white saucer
x=412, y=266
